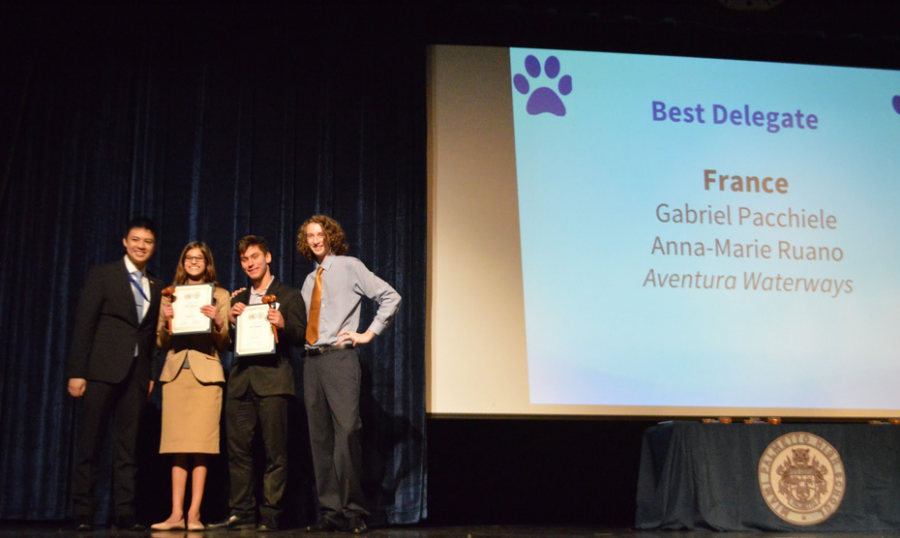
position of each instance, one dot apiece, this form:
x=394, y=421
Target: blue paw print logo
x=543, y=99
x=896, y=102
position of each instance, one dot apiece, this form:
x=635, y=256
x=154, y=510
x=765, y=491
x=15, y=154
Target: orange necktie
x=312, y=325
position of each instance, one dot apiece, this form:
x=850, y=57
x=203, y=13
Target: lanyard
x=139, y=288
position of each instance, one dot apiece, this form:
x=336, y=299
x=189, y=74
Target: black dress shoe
x=357, y=525
x=324, y=525
x=234, y=522
x=268, y=524
x=127, y=523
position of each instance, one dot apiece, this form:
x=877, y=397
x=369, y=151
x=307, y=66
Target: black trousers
x=242, y=414
x=331, y=384
x=124, y=402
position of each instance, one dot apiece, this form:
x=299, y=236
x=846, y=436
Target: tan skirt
x=190, y=416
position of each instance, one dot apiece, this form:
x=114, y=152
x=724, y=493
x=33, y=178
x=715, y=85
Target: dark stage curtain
x=213, y=138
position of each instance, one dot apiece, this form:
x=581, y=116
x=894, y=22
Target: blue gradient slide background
x=590, y=181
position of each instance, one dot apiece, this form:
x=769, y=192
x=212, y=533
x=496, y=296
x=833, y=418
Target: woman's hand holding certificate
x=212, y=312
x=188, y=315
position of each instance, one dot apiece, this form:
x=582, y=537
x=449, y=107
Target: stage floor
x=56, y=530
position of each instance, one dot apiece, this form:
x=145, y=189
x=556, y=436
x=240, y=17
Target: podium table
x=707, y=476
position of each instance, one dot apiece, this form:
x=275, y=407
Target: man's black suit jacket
x=271, y=375
x=107, y=329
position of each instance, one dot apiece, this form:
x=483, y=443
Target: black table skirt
x=706, y=476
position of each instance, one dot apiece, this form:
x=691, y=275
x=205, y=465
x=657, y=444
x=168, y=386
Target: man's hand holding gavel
x=275, y=317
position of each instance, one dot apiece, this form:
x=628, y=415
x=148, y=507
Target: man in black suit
x=257, y=393
x=110, y=369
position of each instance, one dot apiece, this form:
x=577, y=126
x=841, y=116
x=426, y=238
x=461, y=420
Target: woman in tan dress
x=192, y=388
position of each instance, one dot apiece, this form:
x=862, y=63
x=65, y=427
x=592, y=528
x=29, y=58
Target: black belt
x=321, y=350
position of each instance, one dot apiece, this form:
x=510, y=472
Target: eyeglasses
x=194, y=259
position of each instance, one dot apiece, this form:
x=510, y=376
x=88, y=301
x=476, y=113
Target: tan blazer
x=205, y=363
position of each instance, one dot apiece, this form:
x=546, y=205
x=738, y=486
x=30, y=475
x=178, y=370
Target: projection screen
x=634, y=235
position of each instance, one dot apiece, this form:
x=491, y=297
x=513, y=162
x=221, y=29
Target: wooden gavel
x=169, y=292
x=271, y=300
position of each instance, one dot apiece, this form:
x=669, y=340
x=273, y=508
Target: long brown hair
x=181, y=275
x=334, y=236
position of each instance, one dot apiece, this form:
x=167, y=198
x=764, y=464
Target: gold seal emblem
x=801, y=478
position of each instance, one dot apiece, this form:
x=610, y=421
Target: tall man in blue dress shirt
x=331, y=373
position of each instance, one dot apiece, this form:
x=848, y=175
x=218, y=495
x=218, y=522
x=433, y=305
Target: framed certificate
x=254, y=332
x=188, y=299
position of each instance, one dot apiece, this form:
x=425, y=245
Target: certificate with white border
x=187, y=301
x=254, y=332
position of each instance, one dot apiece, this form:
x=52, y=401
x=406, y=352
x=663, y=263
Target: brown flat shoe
x=169, y=526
